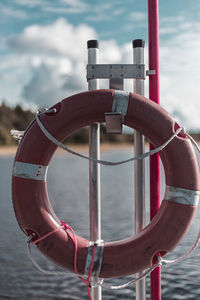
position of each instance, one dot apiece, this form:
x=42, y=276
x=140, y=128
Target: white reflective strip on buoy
x=182, y=196
x=120, y=103
x=30, y=171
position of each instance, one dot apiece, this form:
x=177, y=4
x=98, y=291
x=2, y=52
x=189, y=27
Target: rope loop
x=102, y=162
x=30, y=240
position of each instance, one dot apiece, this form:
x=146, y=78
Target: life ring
x=35, y=214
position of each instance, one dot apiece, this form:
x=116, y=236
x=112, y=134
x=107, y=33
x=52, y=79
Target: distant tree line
x=18, y=118
x=12, y=118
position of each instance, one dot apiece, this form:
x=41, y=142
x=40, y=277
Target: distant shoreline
x=6, y=151
x=105, y=147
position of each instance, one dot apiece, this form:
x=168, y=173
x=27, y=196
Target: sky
x=43, y=49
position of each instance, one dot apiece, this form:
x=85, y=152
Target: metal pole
x=153, y=33
x=139, y=170
x=94, y=168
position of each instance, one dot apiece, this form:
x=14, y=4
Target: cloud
x=66, y=7
x=47, y=63
x=73, y=3
x=104, y=11
x=135, y=20
x=55, y=57
x=101, y=12
x=8, y=11
x=179, y=69
x=168, y=30
x=138, y=16
x=30, y=3
x=59, y=38
x=94, y=10
x=45, y=86
x=56, y=7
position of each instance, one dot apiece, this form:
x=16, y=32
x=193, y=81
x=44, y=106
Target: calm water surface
x=68, y=191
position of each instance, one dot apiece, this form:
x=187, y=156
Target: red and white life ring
x=29, y=189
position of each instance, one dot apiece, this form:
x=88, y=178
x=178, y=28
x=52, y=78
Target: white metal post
x=139, y=170
x=94, y=168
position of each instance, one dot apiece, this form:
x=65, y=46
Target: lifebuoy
x=35, y=214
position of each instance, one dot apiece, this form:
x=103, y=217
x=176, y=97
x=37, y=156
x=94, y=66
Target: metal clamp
x=182, y=196
x=98, y=257
x=150, y=72
x=113, y=122
x=115, y=119
x=115, y=71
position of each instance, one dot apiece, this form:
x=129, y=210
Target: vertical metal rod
x=94, y=168
x=139, y=170
x=153, y=35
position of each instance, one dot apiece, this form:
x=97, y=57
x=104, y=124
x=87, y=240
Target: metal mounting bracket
x=122, y=71
x=113, y=122
x=150, y=72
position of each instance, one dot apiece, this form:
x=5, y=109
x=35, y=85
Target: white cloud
x=74, y=3
x=48, y=62
x=104, y=11
x=45, y=86
x=30, y=3
x=180, y=64
x=138, y=16
x=59, y=38
x=135, y=20
x=68, y=8
x=110, y=52
x=56, y=7
x=54, y=56
x=178, y=19
x=8, y=11
x=118, y=12
x=100, y=12
x=168, y=30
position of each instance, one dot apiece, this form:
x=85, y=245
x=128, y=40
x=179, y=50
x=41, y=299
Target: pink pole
x=153, y=36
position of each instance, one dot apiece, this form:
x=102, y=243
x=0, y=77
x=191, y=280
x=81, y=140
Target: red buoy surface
x=34, y=211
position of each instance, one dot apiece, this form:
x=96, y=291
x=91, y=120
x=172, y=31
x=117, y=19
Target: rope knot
x=65, y=225
x=160, y=260
x=184, y=130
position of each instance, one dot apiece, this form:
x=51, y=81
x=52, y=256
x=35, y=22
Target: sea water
x=68, y=191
